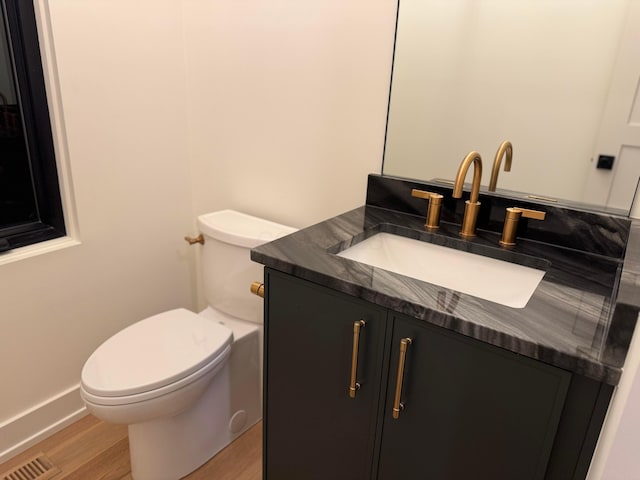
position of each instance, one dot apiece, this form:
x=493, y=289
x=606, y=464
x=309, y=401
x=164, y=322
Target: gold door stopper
x=257, y=288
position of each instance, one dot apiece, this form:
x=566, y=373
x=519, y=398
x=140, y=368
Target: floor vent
x=36, y=468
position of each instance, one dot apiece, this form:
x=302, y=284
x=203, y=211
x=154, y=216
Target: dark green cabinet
x=469, y=410
x=313, y=429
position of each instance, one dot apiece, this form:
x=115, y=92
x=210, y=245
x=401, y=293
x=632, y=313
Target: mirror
x=543, y=74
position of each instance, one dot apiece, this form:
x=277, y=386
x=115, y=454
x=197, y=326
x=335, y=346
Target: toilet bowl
x=187, y=384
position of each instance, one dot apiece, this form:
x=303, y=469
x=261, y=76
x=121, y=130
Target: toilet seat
x=184, y=383
x=154, y=356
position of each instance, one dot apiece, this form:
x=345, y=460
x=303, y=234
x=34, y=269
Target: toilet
x=185, y=383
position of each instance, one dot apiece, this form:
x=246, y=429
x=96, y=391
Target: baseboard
x=37, y=423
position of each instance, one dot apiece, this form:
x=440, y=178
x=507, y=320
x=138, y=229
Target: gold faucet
x=433, y=210
x=511, y=219
x=505, y=147
x=472, y=206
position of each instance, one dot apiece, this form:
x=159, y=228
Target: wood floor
x=91, y=449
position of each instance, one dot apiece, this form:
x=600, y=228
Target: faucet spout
x=505, y=148
x=472, y=206
x=471, y=158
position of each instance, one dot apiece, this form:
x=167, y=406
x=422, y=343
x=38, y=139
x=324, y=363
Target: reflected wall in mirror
x=558, y=79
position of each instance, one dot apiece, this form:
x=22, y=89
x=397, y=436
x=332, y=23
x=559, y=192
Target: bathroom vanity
x=370, y=374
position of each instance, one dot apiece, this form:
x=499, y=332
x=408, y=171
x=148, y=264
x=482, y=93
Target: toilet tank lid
x=241, y=229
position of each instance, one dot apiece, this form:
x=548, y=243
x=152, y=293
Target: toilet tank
x=227, y=270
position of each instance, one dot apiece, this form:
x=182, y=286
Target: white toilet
x=187, y=384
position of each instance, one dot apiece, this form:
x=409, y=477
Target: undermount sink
x=502, y=282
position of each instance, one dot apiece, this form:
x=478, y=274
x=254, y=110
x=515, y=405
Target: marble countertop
x=580, y=318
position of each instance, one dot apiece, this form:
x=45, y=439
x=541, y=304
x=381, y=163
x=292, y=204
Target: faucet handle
x=511, y=223
x=433, y=211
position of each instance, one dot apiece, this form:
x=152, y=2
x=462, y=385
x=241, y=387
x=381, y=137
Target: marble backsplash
x=565, y=226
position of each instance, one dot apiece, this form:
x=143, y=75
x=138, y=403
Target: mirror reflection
x=558, y=79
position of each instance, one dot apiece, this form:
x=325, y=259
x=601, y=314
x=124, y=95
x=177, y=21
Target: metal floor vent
x=37, y=468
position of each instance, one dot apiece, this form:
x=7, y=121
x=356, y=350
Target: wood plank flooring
x=91, y=449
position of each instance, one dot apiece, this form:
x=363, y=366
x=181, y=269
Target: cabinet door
x=471, y=410
x=313, y=429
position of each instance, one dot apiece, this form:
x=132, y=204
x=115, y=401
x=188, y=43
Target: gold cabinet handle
x=397, y=405
x=354, y=385
x=191, y=240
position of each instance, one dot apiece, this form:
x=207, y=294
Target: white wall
x=616, y=455
x=125, y=119
x=172, y=109
x=622, y=462
x=288, y=102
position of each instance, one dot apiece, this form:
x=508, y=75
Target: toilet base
x=171, y=448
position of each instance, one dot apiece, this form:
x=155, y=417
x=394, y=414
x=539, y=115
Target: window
x=30, y=204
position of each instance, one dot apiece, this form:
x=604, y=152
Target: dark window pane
x=30, y=206
x=17, y=197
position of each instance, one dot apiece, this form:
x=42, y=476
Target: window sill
x=37, y=249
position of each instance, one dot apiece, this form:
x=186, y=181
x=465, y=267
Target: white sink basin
x=502, y=282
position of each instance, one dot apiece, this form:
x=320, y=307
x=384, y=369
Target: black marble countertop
x=580, y=317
